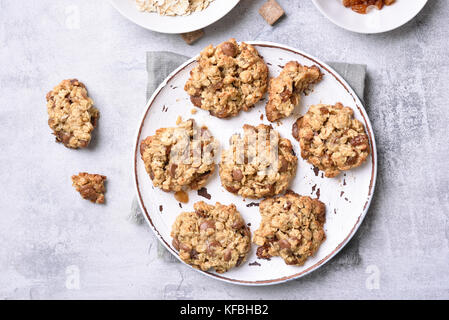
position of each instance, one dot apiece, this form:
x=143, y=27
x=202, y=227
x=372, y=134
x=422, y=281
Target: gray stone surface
x=53, y=245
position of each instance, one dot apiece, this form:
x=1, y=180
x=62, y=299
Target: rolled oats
x=173, y=7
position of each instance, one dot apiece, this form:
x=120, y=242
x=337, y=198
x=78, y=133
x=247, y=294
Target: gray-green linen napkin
x=161, y=63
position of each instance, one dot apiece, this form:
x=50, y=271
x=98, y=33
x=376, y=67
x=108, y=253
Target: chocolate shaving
x=252, y=204
x=203, y=193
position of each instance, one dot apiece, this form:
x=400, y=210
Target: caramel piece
x=192, y=37
x=271, y=11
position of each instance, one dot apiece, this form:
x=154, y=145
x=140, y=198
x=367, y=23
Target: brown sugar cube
x=271, y=11
x=192, y=37
x=90, y=186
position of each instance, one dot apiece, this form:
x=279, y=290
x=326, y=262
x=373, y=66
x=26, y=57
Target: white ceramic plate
x=375, y=21
x=347, y=197
x=178, y=24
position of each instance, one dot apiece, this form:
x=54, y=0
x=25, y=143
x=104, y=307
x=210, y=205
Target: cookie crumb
x=193, y=111
x=90, y=186
x=271, y=11
x=178, y=120
x=191, y=37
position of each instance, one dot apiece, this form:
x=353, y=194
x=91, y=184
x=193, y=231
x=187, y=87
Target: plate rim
x=315, y=2
x=360, y=218
x=177, y=31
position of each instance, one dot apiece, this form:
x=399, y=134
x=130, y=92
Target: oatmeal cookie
x=179, y=158
x=291, y=227
x=331, y=139
x=90, y=186
x=284, y=91
x=71, y=114
x=229, y=78
x=261, y=164
x=211, y=237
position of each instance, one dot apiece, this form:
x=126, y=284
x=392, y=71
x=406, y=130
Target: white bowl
x=177, y=24
x=375, y=21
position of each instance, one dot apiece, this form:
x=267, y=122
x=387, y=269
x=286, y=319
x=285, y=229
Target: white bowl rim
x=366, y=32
